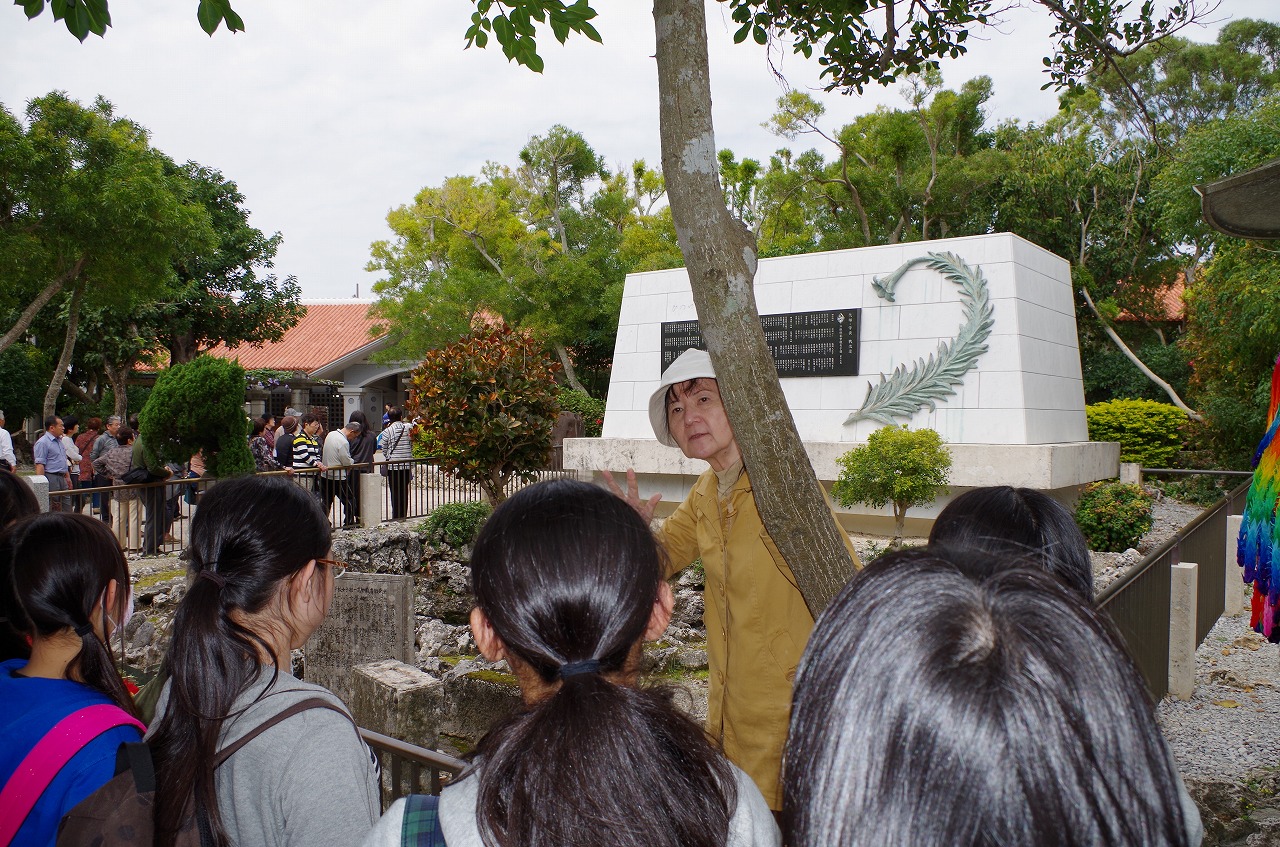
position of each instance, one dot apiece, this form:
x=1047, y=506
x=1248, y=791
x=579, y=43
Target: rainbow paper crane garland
x=1258, y=550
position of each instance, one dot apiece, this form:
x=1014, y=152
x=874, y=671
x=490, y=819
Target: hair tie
x=214, y=577
x=84, y=629
x=569, y=669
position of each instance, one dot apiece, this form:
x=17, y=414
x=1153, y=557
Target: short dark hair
x=309, y=419
x=70, y=422
x=933, y=708
x=395, y=413
x=257, y=427
x=1018, y=523
x=51, y=421
x=124, y=435
x=567, y=572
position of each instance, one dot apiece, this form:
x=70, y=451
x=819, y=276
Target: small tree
x=199, y=406
x=896, y=466
x=488, y=402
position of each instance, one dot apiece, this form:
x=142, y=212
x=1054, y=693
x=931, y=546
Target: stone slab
x=1182, y=629
x=1236, y=598
x=399, y=700
x=371, y=618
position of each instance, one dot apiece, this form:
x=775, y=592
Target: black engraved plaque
x=801, y=343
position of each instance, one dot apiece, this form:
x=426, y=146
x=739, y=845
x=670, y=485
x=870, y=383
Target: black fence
x=409, y=490
x=1138, y=602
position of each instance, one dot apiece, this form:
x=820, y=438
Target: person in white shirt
x=336, y=457
x=6, y=445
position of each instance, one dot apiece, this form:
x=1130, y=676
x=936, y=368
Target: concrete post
x=40, y=485
x=1182, y=629
x=1234, y=597
x=372, y=488
x=1131, y=473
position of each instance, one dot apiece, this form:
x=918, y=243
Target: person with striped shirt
x=306, y=448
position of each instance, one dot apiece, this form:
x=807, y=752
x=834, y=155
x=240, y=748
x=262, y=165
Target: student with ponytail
x=65, y=709
x=240, y=745
x=568, y=585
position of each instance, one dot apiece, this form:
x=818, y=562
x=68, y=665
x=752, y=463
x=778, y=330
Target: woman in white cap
x=757, y=621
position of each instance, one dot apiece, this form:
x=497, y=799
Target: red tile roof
x=1168, y=304
x=329, y=330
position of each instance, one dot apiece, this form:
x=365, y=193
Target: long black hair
x=248, y=536
x=62, y=565
x=567, y=573
x=1022, y=523
x=17, y=501
x=936, y=708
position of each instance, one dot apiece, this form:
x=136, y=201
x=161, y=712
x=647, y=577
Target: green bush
x=1113, y=516
x=1149, y=433
x=591, y=409
x=199, y=406
x=896, y=466
x=457, y=523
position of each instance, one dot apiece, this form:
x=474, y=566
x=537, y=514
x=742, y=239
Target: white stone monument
x=973, y=337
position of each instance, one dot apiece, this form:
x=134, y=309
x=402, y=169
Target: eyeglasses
x=339, y=568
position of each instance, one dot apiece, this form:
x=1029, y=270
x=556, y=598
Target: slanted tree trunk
x=29, y=314
x=68, y=347
x=1138, y=363
x=720, y=255
x=570, y=376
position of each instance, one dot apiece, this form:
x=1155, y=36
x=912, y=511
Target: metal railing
x=1138, y=602
x=413, y=489
x=409, y=769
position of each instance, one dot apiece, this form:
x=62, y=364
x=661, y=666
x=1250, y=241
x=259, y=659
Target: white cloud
x=329, y=114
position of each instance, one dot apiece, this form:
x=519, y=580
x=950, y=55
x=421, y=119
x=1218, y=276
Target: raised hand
x=644, y=508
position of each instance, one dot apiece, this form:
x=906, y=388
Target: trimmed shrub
x=457, y=523
x=591, y=409
x=487, y=405
x=199, y=406
x=897, y=465
x=1149, y=433
x=1113, y=516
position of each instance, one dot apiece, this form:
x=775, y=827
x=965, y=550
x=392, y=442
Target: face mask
x=128, y=610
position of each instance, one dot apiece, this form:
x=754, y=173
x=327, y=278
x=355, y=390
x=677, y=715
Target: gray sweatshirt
x=309, y=781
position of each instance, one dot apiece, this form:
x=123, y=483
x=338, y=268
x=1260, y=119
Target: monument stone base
x=1059, y=470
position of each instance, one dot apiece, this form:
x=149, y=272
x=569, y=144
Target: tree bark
x=119, y=379
x=68, y=347
x=720, y=255
x=29, y=313
x=78, y=392
x=570, y=376
x=182, y=348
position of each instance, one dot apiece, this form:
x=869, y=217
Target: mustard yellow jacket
x=756, y=619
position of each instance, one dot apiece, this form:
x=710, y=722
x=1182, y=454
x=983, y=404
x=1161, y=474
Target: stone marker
x=370, y=618
x=1235, y=599
x=1182, y=629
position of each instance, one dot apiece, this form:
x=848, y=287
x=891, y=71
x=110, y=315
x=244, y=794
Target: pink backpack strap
x=49, y=756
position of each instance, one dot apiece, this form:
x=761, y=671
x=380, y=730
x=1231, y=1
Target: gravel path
x=1231, y=724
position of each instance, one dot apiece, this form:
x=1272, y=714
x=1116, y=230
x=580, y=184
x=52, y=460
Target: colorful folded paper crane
x=1258, y=549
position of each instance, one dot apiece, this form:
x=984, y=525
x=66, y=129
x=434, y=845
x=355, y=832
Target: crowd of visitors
x=962, y=693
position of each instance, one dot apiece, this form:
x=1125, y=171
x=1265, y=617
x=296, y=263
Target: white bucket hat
x=691, y=364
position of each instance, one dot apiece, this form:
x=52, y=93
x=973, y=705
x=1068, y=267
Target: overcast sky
x=330, y=114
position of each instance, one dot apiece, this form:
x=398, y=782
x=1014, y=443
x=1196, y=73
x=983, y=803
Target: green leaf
x=742, y=32
x=759, y=34
x=78, y=20
x=209, y=14
x=30, y=7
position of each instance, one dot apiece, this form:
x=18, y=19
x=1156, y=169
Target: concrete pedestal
x=1183, y=579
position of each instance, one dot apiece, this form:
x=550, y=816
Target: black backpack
x=121, y=813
